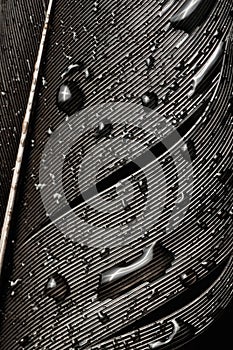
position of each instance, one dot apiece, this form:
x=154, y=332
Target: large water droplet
x=188, y=278
x=180, y=66
x=70, y=97
x=57, y=288
x=150, y=100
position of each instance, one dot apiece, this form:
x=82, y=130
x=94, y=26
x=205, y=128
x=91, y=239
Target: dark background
x=218, y=336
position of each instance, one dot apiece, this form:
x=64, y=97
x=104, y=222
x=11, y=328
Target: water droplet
x=180, y=66
x=188, y=278
x=225, y=175
x=222, y=214
x=191, y=14
x=150, y=100
x=70, y=97
x=104, y=129
x=150, y=62
x=218, y=157
x=73, y=68
x=49, y=131
x=57, y=288
x=24, y=341
x=105, y=253
x=208, y=264
x=175, y=86
x=202, y=224
x=103, y=317
x=166, y=98
x=189, y=150
x=88, y=74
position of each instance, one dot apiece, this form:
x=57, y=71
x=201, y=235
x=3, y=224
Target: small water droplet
x=150, y=100
x=208, y=264
x=49, y=131
x=150, y=62
x=105, y=253
x=70, y=97
x=180, y=66
x=188, y=278
x=166, y=98
x=24, y=341
x=202, y=224
x=57, y=288
x=175, y=86
x=103, y=317
x=218, y=157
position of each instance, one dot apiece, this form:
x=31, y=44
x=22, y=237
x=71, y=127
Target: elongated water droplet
x=189, y=150
x=205, y=74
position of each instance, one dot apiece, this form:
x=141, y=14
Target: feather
x=24, y=133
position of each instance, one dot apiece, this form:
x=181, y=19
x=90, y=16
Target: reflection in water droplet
x=226, y=175
x=57, y=288
x=150, y=100
x=70, y=97
x=188, y=278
